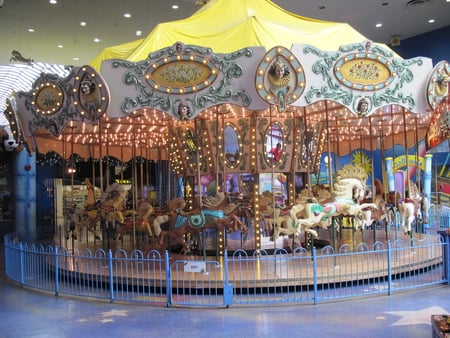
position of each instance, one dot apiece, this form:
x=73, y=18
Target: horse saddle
x=214, y=213
x=283, y=210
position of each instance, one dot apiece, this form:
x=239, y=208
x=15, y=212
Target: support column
x=427, y=175
x=390, y=174
x=25, y=191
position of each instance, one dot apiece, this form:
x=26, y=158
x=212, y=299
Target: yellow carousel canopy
x=228, y=25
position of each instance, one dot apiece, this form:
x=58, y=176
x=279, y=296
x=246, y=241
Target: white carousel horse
x=425, y=206
x=410, y=209
x=366, y=217
x=293, y=222
x=348, y=192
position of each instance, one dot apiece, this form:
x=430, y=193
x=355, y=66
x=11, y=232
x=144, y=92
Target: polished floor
x=28, y=313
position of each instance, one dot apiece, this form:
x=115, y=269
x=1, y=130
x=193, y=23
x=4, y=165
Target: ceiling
x=59, y=24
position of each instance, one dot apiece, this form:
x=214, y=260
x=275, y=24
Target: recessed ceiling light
x=138, y=33
x=127, y=15
x=378, y=25
x=431, y=21
x=53, y=2
x=175, y=7
x=31, y=30
x=82, y=23
x=75, y=58
x=97, y=40
x=60, y=46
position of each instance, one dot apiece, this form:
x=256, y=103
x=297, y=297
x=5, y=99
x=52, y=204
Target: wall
x=434, y=44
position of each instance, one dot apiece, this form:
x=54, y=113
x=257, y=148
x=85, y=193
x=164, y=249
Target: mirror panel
x=274, y=143
x=231, y=146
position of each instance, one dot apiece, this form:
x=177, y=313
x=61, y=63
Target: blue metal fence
x=259, y=278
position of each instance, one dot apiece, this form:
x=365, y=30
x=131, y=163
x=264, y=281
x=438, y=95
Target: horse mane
x=213, y=201
x=229, y=208
x=176, y=203
x=378, y=187
x=355, y=172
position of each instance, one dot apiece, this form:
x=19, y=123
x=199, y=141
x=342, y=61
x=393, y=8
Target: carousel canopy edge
x=363, y=77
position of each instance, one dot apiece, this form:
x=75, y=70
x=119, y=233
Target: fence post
x=314, y=258
x=389, y=262
x=447, y=260
x=446, y=252
x=227, y=287
x=22, y=264
x=56, y=271
x=168, y=279
x=111, y=277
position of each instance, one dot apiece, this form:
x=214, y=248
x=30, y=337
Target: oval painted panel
x=437, y=87
x=364, y=71
x=280, y=77
x=181, y=75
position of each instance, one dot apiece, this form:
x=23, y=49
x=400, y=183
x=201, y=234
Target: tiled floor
x=27, y=313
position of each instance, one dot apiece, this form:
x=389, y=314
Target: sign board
x=194, y=266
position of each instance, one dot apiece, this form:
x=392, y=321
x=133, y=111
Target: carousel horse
x=112, y=206
x=87, y=216
x=138, y=220
x=367, y=217
x=217, y=213
x=349, y=190
x=409, y=208
x=224, y=212
x=425, y=206
x=287, y=222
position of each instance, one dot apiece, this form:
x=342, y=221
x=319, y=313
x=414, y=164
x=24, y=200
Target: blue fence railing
x=259, y=278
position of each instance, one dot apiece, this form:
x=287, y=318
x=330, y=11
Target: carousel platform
x=412, y=260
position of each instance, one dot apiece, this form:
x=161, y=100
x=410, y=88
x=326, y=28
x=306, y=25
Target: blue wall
x=435, y=45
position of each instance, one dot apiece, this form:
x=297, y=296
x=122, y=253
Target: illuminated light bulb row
x=56, y=104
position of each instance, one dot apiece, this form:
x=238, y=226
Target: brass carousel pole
x=147, y=172
x=121, y=163
x=373, y=177
x=216, y=159
x=160, y=176
x=393, y=156
x=372, y=158
x=100, y=154
x=224, y=159
x=199, y=175
x=419, y=225
x=330, y=174
x=416, y=135
x=307, y=153
x=134, y=186
x=405, y=130
x=330, y=177
x=71, y=170
x=272, y=176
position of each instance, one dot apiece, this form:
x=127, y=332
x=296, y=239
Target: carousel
x=196, y=148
